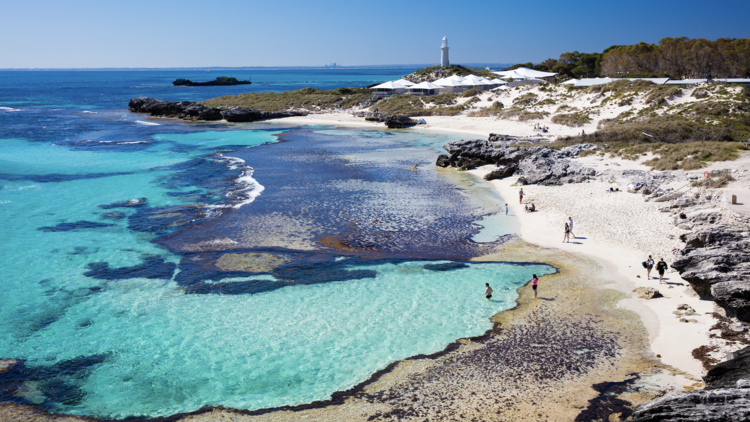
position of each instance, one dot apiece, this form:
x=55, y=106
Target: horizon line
x=423, y=65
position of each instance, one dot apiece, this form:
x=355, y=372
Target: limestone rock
x=726, y=374
x=723, y=405
x=399, y=121
x=716, y=263
x=647, y=292
x=537, y=165
x=443, y=160
x=500, y=172
x=190, y=110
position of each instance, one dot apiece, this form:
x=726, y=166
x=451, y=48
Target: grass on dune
x=307, y=98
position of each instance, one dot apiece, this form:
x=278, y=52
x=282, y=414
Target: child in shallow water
x=488, y=291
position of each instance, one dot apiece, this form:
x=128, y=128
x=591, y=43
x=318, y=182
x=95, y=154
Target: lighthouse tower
x=444, y=53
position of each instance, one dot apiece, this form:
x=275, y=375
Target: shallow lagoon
x=141, y=346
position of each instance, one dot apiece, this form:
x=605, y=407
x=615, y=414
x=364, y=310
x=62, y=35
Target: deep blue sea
x=155, y=266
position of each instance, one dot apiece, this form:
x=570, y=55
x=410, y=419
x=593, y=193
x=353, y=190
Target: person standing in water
x=570, y=223
x=534, y=282
x=660, y=268
x=488, y=291
x=506, y=209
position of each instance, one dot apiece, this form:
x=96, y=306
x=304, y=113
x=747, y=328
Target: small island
x=221, y=80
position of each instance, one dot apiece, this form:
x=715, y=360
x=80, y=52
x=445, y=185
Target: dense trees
x=676, y=58
x=682, y=58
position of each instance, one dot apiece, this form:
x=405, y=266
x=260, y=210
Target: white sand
x=618, y=230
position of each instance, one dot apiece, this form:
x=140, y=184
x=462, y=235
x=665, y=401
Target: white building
x=444, y=53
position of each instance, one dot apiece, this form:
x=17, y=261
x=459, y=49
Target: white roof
x=498, y=81
x=449, y=82
x=502, y=87
x=528, y=73
x=425, y=85
x=601, y=81
x=570, y=82
x=455, y=78
x=404, y=82
x=389, y=85
x=514, y=75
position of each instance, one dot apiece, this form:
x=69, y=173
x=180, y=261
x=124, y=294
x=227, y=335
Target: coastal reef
x=538, y=165
x=220, y=81
x=191, y=110
x=726, y=397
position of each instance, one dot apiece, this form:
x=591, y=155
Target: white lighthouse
x=444, y=53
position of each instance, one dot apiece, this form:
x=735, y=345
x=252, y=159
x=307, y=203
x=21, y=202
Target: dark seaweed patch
x=152, y=267
x=181, y=194
x=57, y=382
x=52, y=178
x=234, y=288
x=446, y=266
x=77, y=225
x=163, y=219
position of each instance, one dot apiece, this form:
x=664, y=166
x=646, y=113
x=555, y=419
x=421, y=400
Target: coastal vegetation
x=307, y=98
x=674, y=58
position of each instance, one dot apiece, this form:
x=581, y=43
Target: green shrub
x=470, y=92
x=441, y=99
x=571, y=120
x=307, y=98
x=490, y=111
x=525, y=100
x=659, y=94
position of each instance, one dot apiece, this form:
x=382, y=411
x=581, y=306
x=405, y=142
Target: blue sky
x=77, y=34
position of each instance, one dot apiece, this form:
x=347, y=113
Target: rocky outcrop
x=723, y=405
x=220, y=81
x=240, y=114
x=501, y=172
x=190, y=110
x=728, y=373
x=538, y=165
x=726, y=397
x=186, y=110
x=716, y=263
x=399, y=121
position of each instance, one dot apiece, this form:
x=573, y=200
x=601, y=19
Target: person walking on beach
x=649, y=265
x=488, y=291
x=570, y=223
x=534, y=282
x=566, y=238
x=520, y=196
x=506, y=209
x=660, y=268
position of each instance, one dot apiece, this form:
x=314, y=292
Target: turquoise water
x=138, y=346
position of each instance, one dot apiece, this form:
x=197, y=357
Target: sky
x=235, y=33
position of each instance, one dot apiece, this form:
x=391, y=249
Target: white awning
x=389, y=85
x=404, y=82
x=425, y=85
x=449, y=82
x=525, y=72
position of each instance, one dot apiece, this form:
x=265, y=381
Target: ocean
x=153, y=267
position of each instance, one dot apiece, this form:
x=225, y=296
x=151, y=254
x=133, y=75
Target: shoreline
x=413, y=366
x=669, y=338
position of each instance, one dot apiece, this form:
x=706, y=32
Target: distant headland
x=221, y=80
